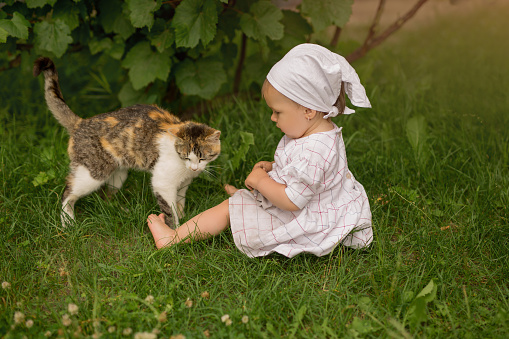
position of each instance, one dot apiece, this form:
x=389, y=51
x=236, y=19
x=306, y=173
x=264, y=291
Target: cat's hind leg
x=79, y=184
x=115, y=181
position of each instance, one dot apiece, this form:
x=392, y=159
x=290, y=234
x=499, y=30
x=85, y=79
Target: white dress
x=334, y=207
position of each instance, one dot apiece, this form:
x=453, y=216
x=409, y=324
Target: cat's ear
x=214, y=137
x=173, y=132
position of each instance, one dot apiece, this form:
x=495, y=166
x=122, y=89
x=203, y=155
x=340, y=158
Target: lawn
x=432, y=153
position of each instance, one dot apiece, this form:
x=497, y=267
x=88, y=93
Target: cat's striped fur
x=144, y=137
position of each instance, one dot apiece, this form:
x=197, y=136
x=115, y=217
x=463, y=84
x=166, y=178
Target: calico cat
x=144, y=137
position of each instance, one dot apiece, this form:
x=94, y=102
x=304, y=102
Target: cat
x=145, y=137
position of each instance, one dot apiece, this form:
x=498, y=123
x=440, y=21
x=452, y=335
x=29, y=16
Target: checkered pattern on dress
x=334, y=207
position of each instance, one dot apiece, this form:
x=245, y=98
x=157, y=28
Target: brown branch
x=376, y=21
x=238, y=71
x=335, y=38
x=375, y=41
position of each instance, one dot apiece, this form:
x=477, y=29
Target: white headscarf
x=311, y=75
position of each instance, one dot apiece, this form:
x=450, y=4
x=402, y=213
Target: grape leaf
x=3, y=35
x=97, y=45
x=39, y=3
x=203, y=77
x=68, y=12
x=52, y=36
x=145, y=65
x=327, y=12
x=117, y=50
x=128, y=96
x=16, y=27
x=114, y=20
x=295, y=24
x=142, y=12
x=195, y=20
x=163, y=40
x=262, y=21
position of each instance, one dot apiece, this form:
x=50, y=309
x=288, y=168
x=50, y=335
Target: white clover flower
x=47, y=334
x=245, y=319
x=228, y=322
x=19, y=317
x=178, y=336
x=29, y=323
x=112, y=329
x=145, y=335
x=72, y=309
x=205, y=295
x=162, y=317
x=150, y=299
x=127, y=331
x=66, y=320
x=156, y=331
x=188, y=303
x=97, y=335
x=6, y=285
x=225, y=317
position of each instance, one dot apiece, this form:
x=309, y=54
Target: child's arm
x=259, y=180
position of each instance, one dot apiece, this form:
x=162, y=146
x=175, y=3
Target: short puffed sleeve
x=306, y=178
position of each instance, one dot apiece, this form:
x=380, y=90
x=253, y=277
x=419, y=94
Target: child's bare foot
x=162, y=233
x=230, y=189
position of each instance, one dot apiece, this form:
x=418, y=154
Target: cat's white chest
x=170, y=164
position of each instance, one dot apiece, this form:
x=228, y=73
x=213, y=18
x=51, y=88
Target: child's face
x=289, y=116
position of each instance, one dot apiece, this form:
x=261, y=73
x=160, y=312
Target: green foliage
x=52, y=36
x=417, y=135
x=262, y=21
x=326, y=13
x=417, y=311
x=179, y=51
x=146, y=65
x=16, y=27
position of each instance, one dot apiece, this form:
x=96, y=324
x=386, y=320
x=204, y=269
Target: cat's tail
x=53, y=94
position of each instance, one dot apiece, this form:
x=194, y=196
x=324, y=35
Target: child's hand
x=264, y=165
x=254, y=178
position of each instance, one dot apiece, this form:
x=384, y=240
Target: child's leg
x=209, y=223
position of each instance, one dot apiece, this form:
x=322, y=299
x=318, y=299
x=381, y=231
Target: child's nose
x=273, y=117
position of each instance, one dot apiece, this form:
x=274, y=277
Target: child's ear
x=309, y=113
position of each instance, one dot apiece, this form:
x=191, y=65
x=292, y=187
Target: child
x=306, y=200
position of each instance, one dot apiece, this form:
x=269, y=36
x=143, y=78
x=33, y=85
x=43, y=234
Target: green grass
x=439, y=208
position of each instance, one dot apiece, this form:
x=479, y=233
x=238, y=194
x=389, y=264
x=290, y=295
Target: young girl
x=306, y=200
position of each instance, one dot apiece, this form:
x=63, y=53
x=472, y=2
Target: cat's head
x=197, y=144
